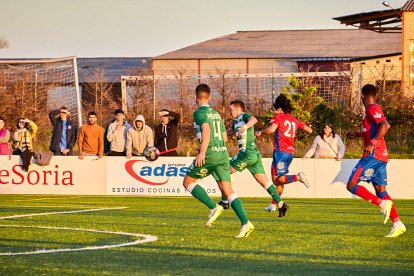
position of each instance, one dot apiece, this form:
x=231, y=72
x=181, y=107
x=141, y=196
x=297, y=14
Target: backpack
x=43, y=158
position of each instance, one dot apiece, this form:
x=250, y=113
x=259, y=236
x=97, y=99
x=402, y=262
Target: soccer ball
x=151, y=153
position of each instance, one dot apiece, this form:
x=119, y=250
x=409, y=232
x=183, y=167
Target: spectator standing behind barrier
x=166, y=133
x=107, y=144
x=24, y=135
x=91, y=138
x=139, y=137
x=117, y=134
x=64, y=133
x=4, y=138
x=327, y=144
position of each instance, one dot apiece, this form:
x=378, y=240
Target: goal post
x=33, y=86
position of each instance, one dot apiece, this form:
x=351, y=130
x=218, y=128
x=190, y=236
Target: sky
x=141, y=28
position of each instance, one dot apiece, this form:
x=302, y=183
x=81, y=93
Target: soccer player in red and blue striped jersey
x=285, y=126
x=372, y=167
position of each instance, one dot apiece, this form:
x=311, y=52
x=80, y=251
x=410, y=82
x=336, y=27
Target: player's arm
x=354, y=134
x=272, y=128
x=382, y=129
x=205, y=140
x=308, y=129
x=251, y=122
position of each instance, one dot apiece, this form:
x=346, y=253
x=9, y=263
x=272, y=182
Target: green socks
x=199, y=193
x=238, y=208
x=273, y=193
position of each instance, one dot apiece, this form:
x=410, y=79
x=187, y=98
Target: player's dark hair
x=91, y=113
x=369, y=90
x=323, y=133
x=1, y=119
x=238, y=103
x=202, y=91
x=282, y=101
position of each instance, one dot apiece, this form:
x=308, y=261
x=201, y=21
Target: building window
x=412, y=62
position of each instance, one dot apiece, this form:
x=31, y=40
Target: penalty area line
x=147, y=238
x=61, y=212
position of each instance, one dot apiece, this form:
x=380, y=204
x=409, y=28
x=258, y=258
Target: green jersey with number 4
x=217, y=158
x=205, y=114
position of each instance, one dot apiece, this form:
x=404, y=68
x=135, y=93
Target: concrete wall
x=380, y=69
x=138, y=177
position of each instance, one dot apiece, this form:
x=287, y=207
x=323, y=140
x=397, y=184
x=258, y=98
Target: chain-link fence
x=147, y=95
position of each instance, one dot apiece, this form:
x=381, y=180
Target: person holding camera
x=23, y=136
x=166, y=133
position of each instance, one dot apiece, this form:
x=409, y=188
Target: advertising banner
x=164, y=177
x=64, y=175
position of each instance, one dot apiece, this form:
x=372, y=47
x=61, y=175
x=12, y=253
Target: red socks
x=363, y=193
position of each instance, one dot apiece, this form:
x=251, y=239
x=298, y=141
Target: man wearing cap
x=139, y=137
x=166, y=133
x=117, y=134
x=64, y=133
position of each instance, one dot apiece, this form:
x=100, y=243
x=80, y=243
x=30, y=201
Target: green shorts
x=217, y=164
x=252, y=160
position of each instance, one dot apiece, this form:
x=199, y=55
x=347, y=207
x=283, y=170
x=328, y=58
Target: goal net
x=32, y=88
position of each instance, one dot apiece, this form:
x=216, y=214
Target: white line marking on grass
x=147, y=238
x=62, y=212
x=46, y=198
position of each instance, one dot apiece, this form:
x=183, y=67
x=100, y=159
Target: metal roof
x=331, y=44
x=113, y=67
x=378, y=21
x=408, y=6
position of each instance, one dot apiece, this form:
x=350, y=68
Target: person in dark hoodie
x=64, y=133
x=166, y=133
x=139, y=137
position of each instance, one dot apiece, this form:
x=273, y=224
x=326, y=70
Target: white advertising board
x=64, y=175
x=164, y=177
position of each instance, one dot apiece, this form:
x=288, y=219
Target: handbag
x=43, y=158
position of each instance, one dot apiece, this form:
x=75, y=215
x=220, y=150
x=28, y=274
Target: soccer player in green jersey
x=249, y=156
x=213, y=158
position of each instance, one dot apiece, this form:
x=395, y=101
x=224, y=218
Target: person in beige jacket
x=139, y=137
x=117, y=134
x=328, y=144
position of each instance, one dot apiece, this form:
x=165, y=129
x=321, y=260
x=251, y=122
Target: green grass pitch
x=317, y=236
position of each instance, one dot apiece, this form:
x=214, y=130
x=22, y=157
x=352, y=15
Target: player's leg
x=272, y=191
x=364, y=171
x=224, y=202
x=380, y=184
x=222, y=176
x=237, y=205
x=193, y=174
x=197, y=191
x=282, y=161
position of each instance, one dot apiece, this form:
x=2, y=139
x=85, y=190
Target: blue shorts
x=370, y=170
x=281, y=163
